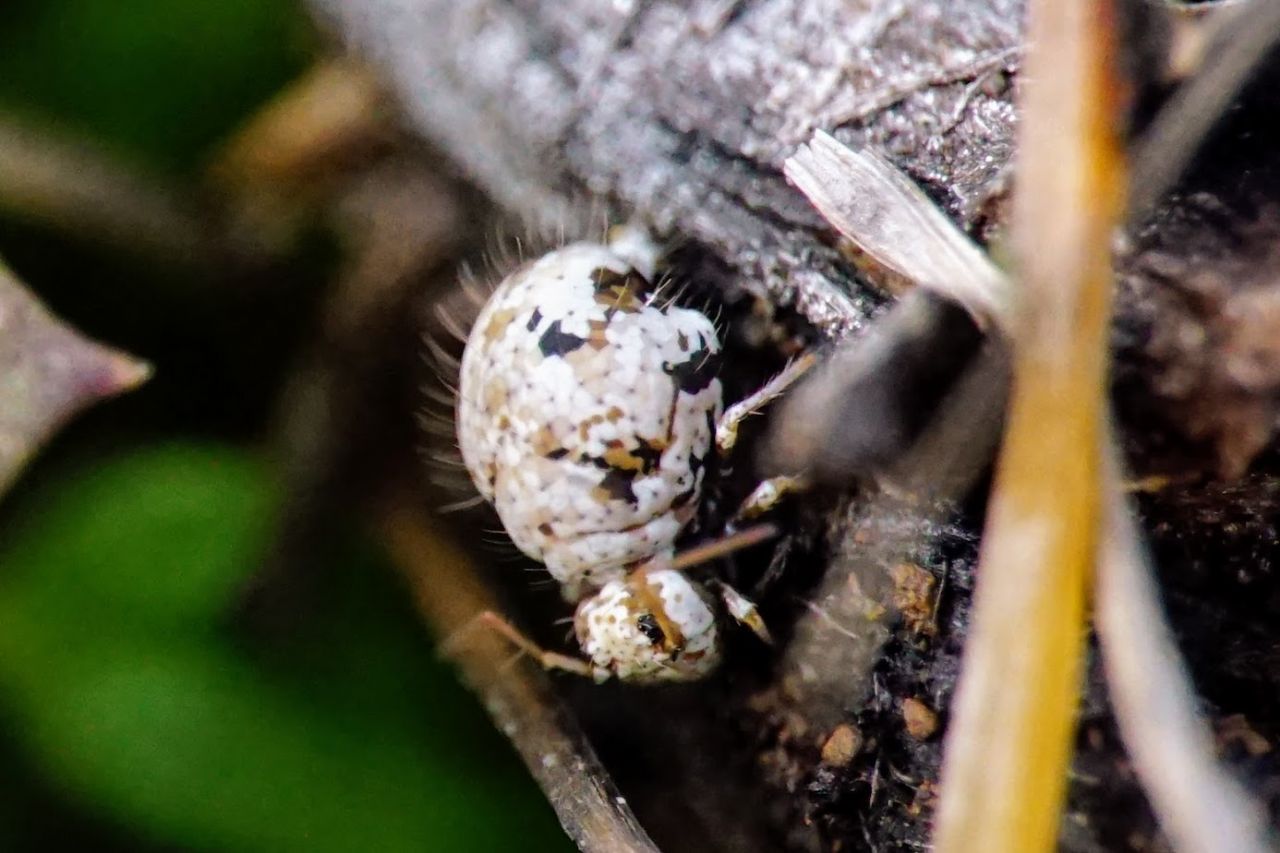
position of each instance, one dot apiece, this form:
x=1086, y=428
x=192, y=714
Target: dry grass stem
x=518, y=697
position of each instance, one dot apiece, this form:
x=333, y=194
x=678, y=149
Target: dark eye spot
x=650, y=628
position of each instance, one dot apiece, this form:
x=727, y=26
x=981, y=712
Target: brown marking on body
x=544, y=442
x=584, y=428
x=643, y=459
x=638, y=527
x=495, y=395
x=498, y=323
x=619, y=291
x=596, y=338
x=623, y=459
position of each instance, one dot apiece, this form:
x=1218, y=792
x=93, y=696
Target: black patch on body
x=556, y=342
x=695, y=461
x=697, y=372
x=534, y=319
x=649, y=455
x=617, y=484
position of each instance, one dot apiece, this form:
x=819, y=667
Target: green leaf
x=133, y=694
x=159, y=79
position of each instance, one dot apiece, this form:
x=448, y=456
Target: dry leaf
x=48, y=372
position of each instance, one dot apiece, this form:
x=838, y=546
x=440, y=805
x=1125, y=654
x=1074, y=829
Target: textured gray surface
x=684, y=112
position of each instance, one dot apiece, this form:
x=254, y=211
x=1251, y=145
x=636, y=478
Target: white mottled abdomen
x=586, y=413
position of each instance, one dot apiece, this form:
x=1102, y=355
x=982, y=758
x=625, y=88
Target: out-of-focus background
x=187, y=659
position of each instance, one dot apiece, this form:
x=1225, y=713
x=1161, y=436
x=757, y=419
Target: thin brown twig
x=519, y=698
x=1009, y=742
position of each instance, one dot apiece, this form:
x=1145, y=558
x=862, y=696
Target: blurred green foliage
x=157, y=80
x=135, y=713
x=128, y=686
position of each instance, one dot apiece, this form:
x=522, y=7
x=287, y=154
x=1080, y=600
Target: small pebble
x=842, y=746
x=921, y=720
